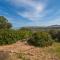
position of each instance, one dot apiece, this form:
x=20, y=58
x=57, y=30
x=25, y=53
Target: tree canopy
x=4, y=23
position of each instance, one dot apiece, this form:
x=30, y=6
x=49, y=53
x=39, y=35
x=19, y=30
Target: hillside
x=37, y=28
x=29, y=43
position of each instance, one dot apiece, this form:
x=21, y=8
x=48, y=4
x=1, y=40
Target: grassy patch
x=55, y=49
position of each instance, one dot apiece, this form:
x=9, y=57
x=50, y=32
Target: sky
x=23, y=13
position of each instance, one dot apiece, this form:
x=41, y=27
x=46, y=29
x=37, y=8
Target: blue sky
x=31, y=12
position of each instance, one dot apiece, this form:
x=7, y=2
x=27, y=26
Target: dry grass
x=22, y=51
x=56, y=49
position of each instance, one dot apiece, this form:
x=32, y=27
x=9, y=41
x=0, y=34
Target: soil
x=28, y=52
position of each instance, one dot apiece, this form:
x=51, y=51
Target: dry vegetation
x=22, y=51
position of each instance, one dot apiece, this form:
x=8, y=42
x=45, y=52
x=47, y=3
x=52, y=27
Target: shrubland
x=55, y=34
x=9, y=36
x=35, y=38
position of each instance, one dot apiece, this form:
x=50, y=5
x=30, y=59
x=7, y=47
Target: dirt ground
x=23, y=51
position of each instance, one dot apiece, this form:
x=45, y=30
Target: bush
x=24, y=34
x=58, y=36
x=55, y=34
x=9, y=36
x=40, y=39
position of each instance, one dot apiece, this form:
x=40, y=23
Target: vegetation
x=4, y=24
x=40, y=39
x=9, y=36
x=55, y=34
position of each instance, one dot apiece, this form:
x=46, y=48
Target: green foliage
x=55, y=34
x=24, y=34
x=58, y=36
x=4, y=23
x=40, y=39
x=3, y=19
x=9, y=36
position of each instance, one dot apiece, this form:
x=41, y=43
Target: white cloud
x=39, y=8
x=35, y=11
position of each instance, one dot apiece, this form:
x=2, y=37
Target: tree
x=4, y=23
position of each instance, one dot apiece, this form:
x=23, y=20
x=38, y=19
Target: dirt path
x=29, y=52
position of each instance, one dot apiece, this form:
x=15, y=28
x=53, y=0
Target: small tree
x=4, y=23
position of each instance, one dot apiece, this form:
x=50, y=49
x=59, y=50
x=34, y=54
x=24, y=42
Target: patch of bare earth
x=23, y=51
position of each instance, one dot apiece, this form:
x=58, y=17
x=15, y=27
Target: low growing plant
x=40, y=39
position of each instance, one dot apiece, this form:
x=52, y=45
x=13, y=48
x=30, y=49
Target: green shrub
x=55, y=34
x=40, y=39
x=58, y=36
x=24, y=34
x=9, y=36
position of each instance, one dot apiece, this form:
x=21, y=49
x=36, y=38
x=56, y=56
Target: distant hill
x=34, y=28
x=54, y=26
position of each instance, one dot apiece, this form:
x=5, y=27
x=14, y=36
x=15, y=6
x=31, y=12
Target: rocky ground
x=23, y=51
